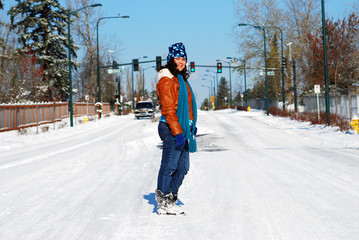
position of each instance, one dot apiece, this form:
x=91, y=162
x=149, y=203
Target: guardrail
x=16, y=116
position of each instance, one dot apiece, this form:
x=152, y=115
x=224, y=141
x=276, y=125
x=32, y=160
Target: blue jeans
x=174, y=163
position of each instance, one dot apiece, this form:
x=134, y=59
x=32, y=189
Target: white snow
x=255, y=177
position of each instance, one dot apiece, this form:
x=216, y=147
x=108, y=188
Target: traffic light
x=213, y=98
x=158, y=62
x=115, y=96
x=284, y=62
x=135, y=65
x=114, y=65
x=219, y=67
x=192, y=67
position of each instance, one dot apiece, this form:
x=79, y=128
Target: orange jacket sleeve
x=167, y=91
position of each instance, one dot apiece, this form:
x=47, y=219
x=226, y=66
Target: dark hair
x=172, y=67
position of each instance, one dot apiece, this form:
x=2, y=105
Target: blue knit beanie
x=176, y=50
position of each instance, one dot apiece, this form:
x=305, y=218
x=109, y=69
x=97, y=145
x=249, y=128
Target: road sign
x=316, y=88
x=114, y=71
x=269, y=73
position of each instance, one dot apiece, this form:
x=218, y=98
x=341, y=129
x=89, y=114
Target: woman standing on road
x=177, y=127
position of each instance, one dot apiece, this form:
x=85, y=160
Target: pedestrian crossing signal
x=219, y=67
x=192, y=67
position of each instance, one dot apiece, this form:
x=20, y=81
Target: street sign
x=114, y=71
x=316, y=88
x=269, y=73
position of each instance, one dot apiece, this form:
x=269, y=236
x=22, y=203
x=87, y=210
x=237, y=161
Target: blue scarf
x=183, y=113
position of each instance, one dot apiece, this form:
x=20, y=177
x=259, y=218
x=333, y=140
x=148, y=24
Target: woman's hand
x=180, y=141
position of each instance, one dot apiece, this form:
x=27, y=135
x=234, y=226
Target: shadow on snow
x=151, y=198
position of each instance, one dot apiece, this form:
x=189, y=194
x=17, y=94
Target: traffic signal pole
x=119, y=96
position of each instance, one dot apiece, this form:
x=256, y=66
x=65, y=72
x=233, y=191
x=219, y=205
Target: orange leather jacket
x=167, y=92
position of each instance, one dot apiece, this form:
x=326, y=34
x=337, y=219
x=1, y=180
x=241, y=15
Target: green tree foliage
x=258, y=90
x=223, y=93
x=206, y=104
x=41, y=26
x=274, y=82
x=273, y=59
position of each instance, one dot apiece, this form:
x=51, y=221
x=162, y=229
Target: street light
x=290, y=50
x=143, y=79
x=210, y=82
x=326, y=81
x=245, y=80
x=230, y=79
x=214, y=83
x=98, y=56
x=69, y=13
x=209, y=93
x=282, y=68
x=265, y=58
x=217, y=102
x=292, y=64
x=110, y=51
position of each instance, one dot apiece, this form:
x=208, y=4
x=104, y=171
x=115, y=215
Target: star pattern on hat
x=176, y=50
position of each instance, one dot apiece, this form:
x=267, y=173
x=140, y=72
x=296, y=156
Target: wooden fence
x=16, y=116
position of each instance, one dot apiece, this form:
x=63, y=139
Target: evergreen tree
x=223, y=92
x=41, y=25
x=274, y=86
x=259, y=91
x=237, y=98
x=205, y=105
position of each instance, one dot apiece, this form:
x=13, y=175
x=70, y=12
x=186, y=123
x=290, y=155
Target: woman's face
x=180, y=62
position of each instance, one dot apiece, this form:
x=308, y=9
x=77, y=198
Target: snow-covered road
x=254, y=178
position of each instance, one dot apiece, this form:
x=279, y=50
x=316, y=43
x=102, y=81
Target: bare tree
x=128, y=84
x=11, y=65
x=295, y=18
x=84, y=27
x=139, y=82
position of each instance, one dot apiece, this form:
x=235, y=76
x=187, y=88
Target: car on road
x=145, y=109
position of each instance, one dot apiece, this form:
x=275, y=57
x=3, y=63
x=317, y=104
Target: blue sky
x=204, y=26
